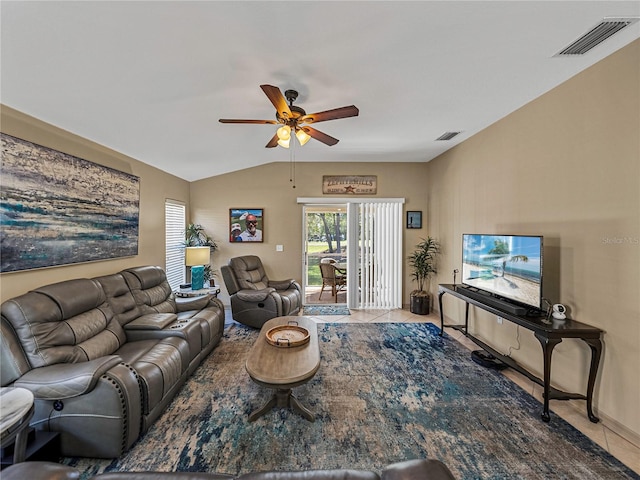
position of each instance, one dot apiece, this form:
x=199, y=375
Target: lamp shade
x=196, y=256
x=302, y=136
x=284, y=143
x=284, y=132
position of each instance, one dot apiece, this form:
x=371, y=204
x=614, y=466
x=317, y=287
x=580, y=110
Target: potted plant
x=195, y=236
x=423, y=264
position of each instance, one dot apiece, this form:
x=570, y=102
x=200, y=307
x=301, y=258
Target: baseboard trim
x=619, y=429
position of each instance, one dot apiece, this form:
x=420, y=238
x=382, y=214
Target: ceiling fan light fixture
x=284, y=133
x=291, y=116
x=302, y=136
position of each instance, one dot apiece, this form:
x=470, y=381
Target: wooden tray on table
x=286, y=336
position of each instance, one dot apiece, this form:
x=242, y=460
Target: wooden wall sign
x=349, y=184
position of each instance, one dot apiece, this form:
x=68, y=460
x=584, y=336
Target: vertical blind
x=378, y=228
x=174, y=221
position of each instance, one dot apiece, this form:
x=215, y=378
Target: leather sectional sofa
x=410, y=470
x=105, y=356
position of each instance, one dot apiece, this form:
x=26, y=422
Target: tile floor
x=572, y=411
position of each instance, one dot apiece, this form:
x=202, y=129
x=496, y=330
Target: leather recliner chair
x=256, y=299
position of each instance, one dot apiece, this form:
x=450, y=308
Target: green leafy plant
x=423, y=264
x=195, y=236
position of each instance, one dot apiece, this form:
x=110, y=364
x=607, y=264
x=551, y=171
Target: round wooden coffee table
x=283, y=368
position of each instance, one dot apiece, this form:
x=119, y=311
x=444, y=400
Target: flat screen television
x=508, y=266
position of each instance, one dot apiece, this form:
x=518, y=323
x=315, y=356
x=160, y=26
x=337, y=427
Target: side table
x=189, y=293
x=16, y=409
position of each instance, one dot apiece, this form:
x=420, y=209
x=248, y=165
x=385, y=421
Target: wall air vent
x=447, y=135
x=597, y=35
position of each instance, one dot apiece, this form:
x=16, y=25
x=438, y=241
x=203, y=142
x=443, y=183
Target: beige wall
x=268, y=187
x=566, y=166
x=154, y=185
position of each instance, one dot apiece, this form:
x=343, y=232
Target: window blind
x=175, y=218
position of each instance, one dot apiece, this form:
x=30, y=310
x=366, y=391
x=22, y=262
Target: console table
x=548, y=333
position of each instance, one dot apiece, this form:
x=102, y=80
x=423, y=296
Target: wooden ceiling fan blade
x=334, y=114
x=322, y=137
x=273, y=142
x=237, y=120
x=275, y=96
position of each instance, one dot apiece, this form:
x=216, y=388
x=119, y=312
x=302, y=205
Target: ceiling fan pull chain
x=292, y=164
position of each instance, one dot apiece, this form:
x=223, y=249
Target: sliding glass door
x=364, y=238
x=325, y=239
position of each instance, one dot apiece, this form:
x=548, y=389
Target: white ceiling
x=151, y=79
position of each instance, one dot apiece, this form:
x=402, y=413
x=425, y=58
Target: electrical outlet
x=279, y=248
x=499, y=320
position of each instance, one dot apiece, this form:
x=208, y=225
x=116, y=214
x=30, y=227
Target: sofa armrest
x=283, y=284
x=428, y=469
x=151, y=321
x=66, y=380
x=39, y=471
x=186, y=304
x=255, y=295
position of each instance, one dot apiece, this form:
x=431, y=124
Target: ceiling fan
x=294, y=119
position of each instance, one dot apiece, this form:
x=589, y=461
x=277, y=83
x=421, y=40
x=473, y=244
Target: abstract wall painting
x=57, y=209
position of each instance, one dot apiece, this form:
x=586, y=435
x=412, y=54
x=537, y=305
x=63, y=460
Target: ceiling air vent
x=447, y=135
x=597, y=35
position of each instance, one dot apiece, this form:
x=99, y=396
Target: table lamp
x=197, y=258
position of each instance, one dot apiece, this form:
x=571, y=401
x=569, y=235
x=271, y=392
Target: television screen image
x=509, y=266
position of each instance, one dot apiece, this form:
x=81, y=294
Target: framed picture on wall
x=61, y=209
x=246, y=224
x=414, y=219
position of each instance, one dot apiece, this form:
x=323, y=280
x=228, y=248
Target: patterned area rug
x=325, y=310
x=384, y=393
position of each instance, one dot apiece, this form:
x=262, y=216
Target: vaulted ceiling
x=151, y=79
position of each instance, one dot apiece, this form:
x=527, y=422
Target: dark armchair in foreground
x=418, y=469
x=256, y=299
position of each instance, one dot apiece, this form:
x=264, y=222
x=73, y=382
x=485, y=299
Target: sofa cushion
x=120, y=298
x=66, y=322
x=150, y=289
x=160, y=365
x=249, y=272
